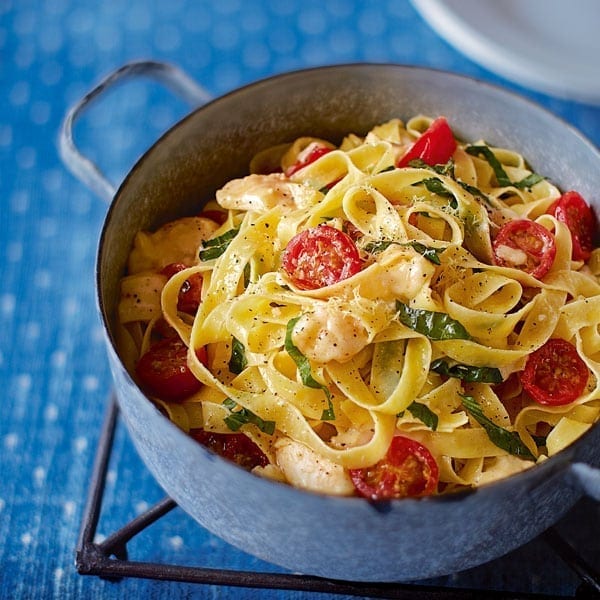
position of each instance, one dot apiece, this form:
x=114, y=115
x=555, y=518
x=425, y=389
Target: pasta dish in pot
x=401, y=315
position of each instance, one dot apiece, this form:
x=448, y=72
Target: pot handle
x=82, y=167
x=587, y=478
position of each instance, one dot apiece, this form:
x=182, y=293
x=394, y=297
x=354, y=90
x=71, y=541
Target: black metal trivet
x=109, y=558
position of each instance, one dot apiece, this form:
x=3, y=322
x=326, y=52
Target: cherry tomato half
x=320, y=256
x=163, y=371
x=237, y=447
x=555, y=374
x=191, y=290
x=572, y=210
x=435, y=146
x=525, y=245
x=313, y=153
x=408, y=470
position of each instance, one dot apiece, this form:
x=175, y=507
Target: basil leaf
x=436, y=186
x=501, y=176
x=304, y=369
x=431, y=254
x=423, y=413
x=507, y=440
x=434, y=325
x=214, y=247
x=528, y=181
x=240, y=417
x=490, y=157
x=442, y=169
x=238, y=361
x=467, y=372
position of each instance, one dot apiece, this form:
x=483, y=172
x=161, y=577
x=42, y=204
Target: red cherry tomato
x=163, y=371
x=191, y=290
x=525, y=245
x=218, y=216
x=320, y=256
x=572, y=210
x=435, y=146
x=237, y=447
x=316, y=152
x=408, y=470
x=555, y=374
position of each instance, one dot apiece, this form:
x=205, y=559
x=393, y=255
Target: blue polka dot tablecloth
x=53, y=371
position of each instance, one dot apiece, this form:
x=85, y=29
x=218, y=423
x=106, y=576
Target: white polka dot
x=25, y=22
x=312, y=22
x=39, y=112
x=19, y=201
x=25, y=55
x=26, y=539
x=69, y=508
x=99, y=538
x=11, y=441
x=107, y=38
x=58, y=358
x=141, y=507
x=256, y=56
x=52, y=180
x=80, y=21
x=26, y=157
x=91, y=383
x=82, y=205
x=2, y=504
x=19, y=93
x=42, y=279
x=24, y=382
x=176, y=542
x=7, y=304
x=6, y=135
x=71, y=307
x=32, y=331
x=50, y=39
x=139, y=18
x=167, y=38
x=14, y=251
x=81, y=444
x=48, y=227
x=39, y=475
x=58, y=574
x=111, y=476
x=371, y=23
x=51, y=73
x=51, y=413
x=225, y=36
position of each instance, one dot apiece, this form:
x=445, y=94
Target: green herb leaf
x=507, y=440
x=237, y=361
x=490, y=157
x=436, y=186
x=240, y=417
x=423, y=413
x=214, y=247
x=467, y=372
x=304, y=369
x=431, y=254
x=528, y=181
x=434, y=325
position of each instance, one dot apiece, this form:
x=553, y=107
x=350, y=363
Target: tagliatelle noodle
x=372, y=394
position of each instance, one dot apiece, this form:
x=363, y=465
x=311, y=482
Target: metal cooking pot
x=343, y=538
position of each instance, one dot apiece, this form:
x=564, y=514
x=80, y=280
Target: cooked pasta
x=376, y=291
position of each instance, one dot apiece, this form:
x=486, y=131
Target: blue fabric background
x=53, y=372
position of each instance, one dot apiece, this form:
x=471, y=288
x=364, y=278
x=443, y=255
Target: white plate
x=551, y=46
